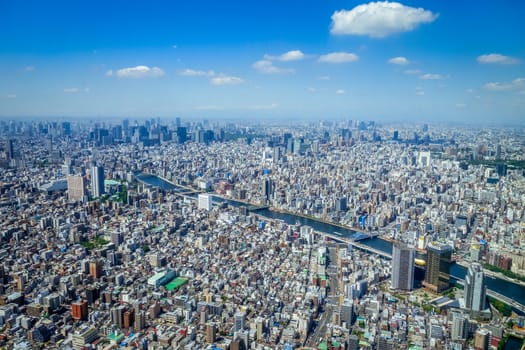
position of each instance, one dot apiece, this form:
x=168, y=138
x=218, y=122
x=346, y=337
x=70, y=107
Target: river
x=508, y=289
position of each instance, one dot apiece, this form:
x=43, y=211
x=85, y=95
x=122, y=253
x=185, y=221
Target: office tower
x=205, y=201
x=423, y=158
x=92, y=294
x=438, y=262
x=475, y=289
x=127, y=319
x=95, y=269
x=66, y=128
x=498, y=152
x=341, y=204
x=211, y=332
x=501, y=169
x=239, y=321
x=181, y=134
x=117, y=316
x=97, y=181
x=267, y=188
x=259, y=325
x=395, y=137
x=140, y=320
x=79, y=310
x=75, y=188
x=10, y=149
x=347, y=312
x=402, y=266
x=117, y=238
x=459, y=329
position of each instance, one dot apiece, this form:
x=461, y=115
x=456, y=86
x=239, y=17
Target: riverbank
x=504, y=287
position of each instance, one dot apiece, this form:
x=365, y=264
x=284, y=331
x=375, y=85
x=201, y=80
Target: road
x=332, y=299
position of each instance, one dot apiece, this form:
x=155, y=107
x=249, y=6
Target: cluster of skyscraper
x=437, y=273
x=77, y=189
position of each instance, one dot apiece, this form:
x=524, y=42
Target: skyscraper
x=75, y=188
x=79, y=310
x=459, y=328
x=95, y=269
x=239, y=319
x=97, y=181
x=475, y=290
x=10, y=149
x=211, y=331
x=402, y=267
x=437, y=274
x=347, y=312
x=205, y=201
x=267, y=188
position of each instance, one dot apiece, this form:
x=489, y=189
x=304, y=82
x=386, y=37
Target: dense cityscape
x=262, y=175
x=199, y=234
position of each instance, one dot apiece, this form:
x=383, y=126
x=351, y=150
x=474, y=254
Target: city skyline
x=315, y=60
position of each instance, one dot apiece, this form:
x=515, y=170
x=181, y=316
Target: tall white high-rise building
x=402, y=267
x=459, y=328
x=205, y=201
x=475, y=290
x=97, y=181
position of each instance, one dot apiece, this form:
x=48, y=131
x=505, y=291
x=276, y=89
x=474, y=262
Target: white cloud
x=226, y=80
x=264, y=107
x=30, y=68
x=11, y=96
x=267, y=67
x=429, y=76
x=294, y=55
x=420, y=91
x=324, y=77
x=340, y=92
x=399, y=60
x=137, y=72
x=195, y=73
x=379, y=19
x=312, y=89
x=498, y=86
x=74, y=90
x=496, y=58
x=338, y=57
x=109, y=73
x=412, y=71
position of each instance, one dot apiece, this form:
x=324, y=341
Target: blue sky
x=429, y=60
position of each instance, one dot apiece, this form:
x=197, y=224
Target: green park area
x=176, y=283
